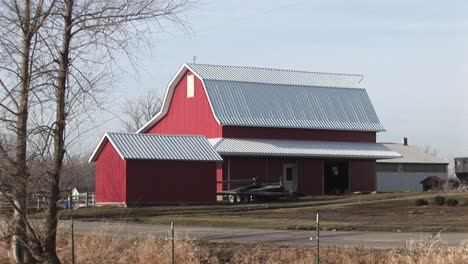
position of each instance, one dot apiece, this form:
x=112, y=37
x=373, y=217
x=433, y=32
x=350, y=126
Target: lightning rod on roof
x=194, y=59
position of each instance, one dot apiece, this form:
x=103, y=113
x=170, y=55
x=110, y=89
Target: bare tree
x=20, y=22
x=141, y=109
x=57, y=57
x=431, y=151
x=91, y=33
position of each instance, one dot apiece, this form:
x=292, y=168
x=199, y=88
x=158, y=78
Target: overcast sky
x=413, y=55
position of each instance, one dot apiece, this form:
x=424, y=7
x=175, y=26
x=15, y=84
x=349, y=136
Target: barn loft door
x=290, y=177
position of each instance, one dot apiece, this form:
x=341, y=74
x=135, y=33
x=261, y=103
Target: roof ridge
x=297, y=85
x=146, y=134
x=277, y=69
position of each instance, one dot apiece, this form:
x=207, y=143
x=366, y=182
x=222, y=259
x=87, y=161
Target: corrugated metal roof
x=302, y=148
x=161, y=147
x=411, y=154
x=276, y=76
x=286, y=106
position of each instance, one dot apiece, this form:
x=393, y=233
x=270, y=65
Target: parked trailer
x=258, y=192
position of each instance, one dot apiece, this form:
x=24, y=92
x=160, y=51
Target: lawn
x=377, y=212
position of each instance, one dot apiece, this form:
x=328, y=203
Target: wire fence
x=38, y=202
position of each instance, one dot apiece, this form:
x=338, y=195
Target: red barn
x=134, y=169
x=314, y=133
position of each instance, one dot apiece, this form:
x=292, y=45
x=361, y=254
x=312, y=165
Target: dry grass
x=103, y=247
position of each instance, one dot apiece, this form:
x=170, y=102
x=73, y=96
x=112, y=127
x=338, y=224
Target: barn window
x=190, y=86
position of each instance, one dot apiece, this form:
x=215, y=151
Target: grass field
x=104, y=247
x=376, y=212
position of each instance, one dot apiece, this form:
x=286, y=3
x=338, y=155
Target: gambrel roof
x=158, y=147
x=261, y=97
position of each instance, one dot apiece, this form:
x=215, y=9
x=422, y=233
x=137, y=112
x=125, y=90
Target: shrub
x=452, y=202
x=453, y=183
x=439, y=200
x=421, y=202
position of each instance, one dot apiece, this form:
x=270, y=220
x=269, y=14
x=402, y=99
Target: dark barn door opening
x=336, y=177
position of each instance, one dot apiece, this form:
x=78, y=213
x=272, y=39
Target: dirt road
x=254, y=236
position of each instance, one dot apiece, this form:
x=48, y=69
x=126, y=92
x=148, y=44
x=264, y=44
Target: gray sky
x=413, y=55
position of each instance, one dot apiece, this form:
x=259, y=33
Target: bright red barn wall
x=188, y=116
x=163, y=181
x=363, y=177
x=300, y=134
x=110, y=176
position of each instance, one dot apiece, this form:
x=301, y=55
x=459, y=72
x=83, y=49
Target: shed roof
x=261, y=97
x=411, y=154
x=301, y=148
x=158, y=147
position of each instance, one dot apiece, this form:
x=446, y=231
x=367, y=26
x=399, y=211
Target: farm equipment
x=258, y=192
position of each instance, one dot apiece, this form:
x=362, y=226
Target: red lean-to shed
x=138, y=169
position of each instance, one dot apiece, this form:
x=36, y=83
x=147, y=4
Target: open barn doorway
x=336, y=177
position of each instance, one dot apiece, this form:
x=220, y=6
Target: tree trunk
x=19, y=250
x=59, y=137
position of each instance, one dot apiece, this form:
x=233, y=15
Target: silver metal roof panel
x=160, y=147
x=289, y=106
x=301, y=148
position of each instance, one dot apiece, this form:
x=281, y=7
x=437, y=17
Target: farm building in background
x=461, y=169
x=314, y=133
x=407, y=173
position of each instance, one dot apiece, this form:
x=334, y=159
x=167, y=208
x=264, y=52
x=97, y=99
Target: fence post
x=318, y=239
x=86, y=199
x=173, y=243
x=70, y=202
x=72, y=242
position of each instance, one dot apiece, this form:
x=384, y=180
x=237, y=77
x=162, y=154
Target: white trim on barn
x=168, y=98
x=100, y=147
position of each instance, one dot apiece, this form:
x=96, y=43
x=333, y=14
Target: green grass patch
x=376, y=212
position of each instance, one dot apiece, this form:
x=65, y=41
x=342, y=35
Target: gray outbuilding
x=406, y=173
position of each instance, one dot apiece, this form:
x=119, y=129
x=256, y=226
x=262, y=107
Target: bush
x=439, y=200
x=452, y=202
x=421, y=202
x=453, y=183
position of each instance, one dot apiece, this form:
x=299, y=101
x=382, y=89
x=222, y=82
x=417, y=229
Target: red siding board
x=188, y=116
x=163, y=181
x=246, y=168
x=270, y=170
x=362, y=175
x=219, y=176
x=310, y=176
x=110, y=176
x=300, y=134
